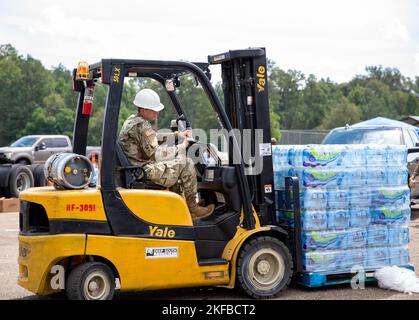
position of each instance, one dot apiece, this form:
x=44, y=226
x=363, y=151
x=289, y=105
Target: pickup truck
x=22, y=163
x=38, y=148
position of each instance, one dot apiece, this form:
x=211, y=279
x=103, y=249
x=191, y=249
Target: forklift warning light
x=82, y=72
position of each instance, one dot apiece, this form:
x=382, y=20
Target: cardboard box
x=9, y=205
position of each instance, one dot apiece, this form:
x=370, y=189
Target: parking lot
x=9, y=228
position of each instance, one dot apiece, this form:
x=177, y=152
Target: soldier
x=163, y=164
x=412, y=181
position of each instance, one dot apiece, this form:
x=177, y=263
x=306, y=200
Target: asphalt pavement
x=9, y=289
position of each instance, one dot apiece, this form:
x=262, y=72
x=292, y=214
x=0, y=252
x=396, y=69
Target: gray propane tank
x=68, y=171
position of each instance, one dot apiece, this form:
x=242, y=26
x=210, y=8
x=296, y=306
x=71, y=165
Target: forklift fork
x=289, y=201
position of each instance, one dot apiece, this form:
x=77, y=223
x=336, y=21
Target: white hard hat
x=148, y=99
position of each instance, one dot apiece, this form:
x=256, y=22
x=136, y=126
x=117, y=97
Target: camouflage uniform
x=165, y=165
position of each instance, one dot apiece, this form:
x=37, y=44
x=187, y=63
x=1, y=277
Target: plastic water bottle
x=390, y=196
x=354, y=257
x=280, y=157
x=377, y=236
x=279, y=179
x=325, y=240
x=291, y=156
x=396, y=155
x=357, y=237
x=322, y=156
x=376, y=176
x=358, y=177
x=360, y=197
x=299, y=155
x=314, y=219
x=399, y=256
x=346, y=177
x=378, y=257
x=323, y=261
x=314, y=199
x=398, y=235
x=391, y=215
x=376, y=156
x=275, y=157
x=397, y=176
x=321, y=178
x=360, y=216
x=347, y=155
x=338, y=218
x=295, y=155
x=355, y=156
x=338, y=198
x=355, y=205
x=297, y=172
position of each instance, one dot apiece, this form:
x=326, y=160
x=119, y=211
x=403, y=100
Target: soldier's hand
x=185, y=134
x=412, y=183
x=185, y=142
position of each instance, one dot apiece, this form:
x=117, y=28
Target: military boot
x=197, y=211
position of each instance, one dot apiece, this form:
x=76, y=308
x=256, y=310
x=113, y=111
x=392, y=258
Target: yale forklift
x=130, y=234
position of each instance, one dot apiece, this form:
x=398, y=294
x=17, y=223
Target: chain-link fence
x=302, y=136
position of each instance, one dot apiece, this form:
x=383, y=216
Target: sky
x=328, y=38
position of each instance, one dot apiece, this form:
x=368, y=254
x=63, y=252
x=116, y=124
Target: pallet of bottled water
x=355, y=204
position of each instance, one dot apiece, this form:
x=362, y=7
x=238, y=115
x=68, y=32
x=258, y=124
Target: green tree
x=341, y=112
x=11, y=102
x=275, y=125
x=285, y=96
x=34, y=99
x=52, y=118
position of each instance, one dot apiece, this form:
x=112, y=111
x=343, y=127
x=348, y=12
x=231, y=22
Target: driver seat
x=132, y=177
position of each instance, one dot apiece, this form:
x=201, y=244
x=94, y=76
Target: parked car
x=380, y=131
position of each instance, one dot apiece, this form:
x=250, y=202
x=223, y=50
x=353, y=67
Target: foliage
x=35, y=100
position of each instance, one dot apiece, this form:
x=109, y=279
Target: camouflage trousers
x=178, y=175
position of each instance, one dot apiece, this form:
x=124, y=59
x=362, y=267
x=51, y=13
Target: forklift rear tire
x=264, y=267
x=91, y=281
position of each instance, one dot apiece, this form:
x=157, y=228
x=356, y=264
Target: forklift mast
x=246, y=109
x=245, y=85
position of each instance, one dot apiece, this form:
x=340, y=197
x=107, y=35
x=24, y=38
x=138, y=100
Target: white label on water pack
x=161, y=252
x=265, y=149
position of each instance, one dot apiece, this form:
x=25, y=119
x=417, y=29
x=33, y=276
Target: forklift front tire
x=91, y=281
x=264, y=267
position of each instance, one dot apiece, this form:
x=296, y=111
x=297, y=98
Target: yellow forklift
x=129, y=234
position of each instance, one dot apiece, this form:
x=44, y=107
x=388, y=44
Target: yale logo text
x=162, y=232
x=116, y=74
x=261, y=75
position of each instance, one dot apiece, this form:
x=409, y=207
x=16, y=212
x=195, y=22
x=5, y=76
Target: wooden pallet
x=9, y=205
x=316, y=279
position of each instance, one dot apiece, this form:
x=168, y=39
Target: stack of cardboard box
x=9, y=205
